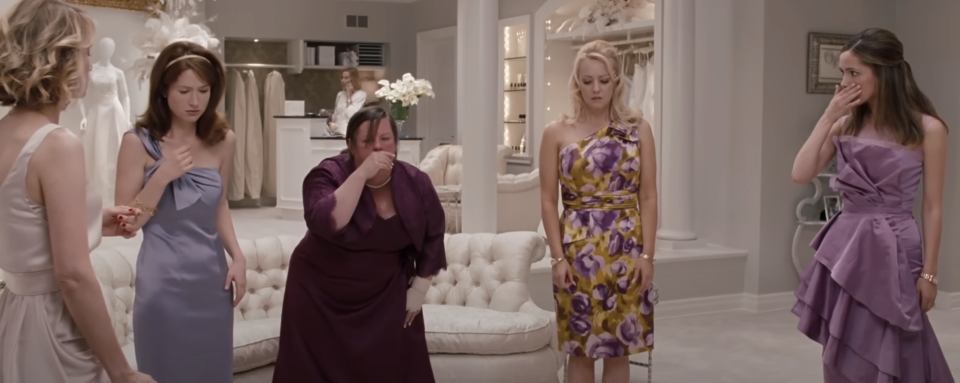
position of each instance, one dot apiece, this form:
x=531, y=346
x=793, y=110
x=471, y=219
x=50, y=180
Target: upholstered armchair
x=444, y=164
x=518, y=202
x=518, y=197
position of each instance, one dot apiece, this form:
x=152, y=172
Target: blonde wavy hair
x=354, y=77
x=41, y=43
x=620, y=112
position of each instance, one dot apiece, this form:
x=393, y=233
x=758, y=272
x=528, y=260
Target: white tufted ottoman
x=481, y=324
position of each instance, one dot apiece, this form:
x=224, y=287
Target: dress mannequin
x=108, y=119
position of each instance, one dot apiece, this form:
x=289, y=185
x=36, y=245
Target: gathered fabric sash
x=606, y=202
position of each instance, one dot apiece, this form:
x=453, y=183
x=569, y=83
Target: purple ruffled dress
x=858, y=298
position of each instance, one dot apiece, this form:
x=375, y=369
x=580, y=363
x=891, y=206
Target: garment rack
x=622, y=42
x=256, y=65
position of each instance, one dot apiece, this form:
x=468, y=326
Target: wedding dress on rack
x=638, y=91
x=237, y=99
x=104, y=120
x=648, y=102
x=253, y=142
x=274, y=99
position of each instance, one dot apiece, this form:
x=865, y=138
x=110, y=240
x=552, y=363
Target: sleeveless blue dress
x=182, y=316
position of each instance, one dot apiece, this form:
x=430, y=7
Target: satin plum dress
x=345, y=299
x=858, y=298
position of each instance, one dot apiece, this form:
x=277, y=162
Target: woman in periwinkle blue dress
x=173, y=166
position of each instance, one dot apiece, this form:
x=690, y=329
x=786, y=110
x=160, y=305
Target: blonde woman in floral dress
x=602, y=155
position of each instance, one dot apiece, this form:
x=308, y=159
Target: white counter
x=297, y=153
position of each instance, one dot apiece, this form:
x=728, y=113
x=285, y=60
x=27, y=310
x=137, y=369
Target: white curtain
x=274, y=98
x=253, y=158
x=237, y=99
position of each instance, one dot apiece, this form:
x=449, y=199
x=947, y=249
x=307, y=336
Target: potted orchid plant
x=402, y=94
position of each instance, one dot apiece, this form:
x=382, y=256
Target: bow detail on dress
x=187, y=189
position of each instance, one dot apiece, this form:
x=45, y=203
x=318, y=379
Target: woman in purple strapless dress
x=866, y=293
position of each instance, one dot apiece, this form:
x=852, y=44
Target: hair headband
x=184, y=57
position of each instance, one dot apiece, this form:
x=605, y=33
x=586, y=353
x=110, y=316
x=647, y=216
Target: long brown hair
x=900, y=103
x=211, y=127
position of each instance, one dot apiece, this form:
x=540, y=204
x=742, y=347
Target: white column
x=477, y=36
x=676, y=229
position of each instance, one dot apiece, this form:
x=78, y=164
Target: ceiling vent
x=356, y=21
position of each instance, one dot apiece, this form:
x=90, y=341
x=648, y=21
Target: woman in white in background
x=349, y=100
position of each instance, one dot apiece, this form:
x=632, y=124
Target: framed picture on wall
x=131, y=5
x=823, y=61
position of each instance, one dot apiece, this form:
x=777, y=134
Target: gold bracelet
x=648, y=258
x=930, y=278
x=555, y=261
x=140, y=205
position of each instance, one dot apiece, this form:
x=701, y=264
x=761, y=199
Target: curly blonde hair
x=41, y=43
x=620, y=112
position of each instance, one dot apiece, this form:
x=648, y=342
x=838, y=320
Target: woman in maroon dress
x=358, y=278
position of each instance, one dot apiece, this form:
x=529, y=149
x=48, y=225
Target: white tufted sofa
x=481, y=323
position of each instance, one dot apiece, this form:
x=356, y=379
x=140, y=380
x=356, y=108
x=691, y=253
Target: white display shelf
x=514, y=99
x=803, y=220
x=616, y=31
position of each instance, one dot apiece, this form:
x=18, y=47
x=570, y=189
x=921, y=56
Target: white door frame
x=426, y=63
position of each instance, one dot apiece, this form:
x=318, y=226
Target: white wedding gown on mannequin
x=648, y=95
x=106, y=123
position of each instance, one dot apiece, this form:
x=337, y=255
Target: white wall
x=789, y=114
x=713, y=118
x=743, y=188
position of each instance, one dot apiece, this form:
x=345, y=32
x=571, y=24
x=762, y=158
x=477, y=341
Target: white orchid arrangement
x=168, y=28
x=406, y=91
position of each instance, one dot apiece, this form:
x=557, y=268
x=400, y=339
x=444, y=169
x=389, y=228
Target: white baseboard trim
x=721, y=303
x=698, y=306
x=947, y=301
x=769, y=302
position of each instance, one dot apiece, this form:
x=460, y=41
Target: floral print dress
x=603, y=315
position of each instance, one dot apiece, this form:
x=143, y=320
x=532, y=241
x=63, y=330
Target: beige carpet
x=740, y=347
